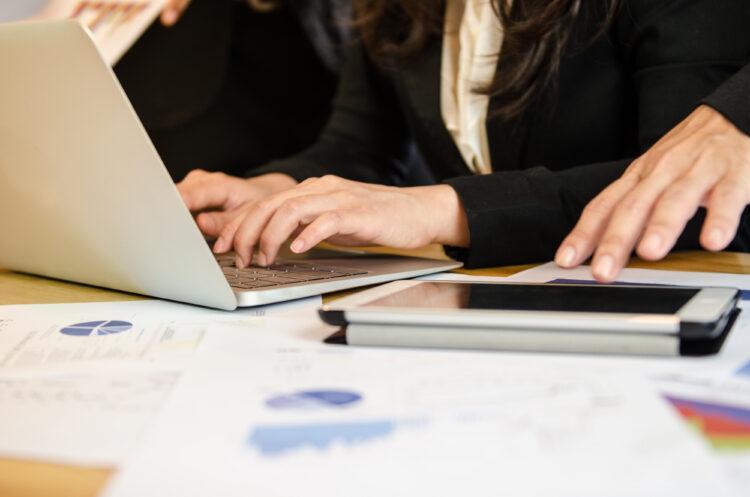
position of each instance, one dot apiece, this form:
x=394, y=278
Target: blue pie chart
x=96, y=328
x=314, y=399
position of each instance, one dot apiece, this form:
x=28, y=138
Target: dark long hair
x=536, y=36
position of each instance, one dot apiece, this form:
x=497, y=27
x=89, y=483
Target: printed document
x=302, y=418
x=147, y=331
x=80, y=383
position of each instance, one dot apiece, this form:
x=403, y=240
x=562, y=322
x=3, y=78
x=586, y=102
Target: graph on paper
x=275, y=440
x=727, y=427
x=314, y=399
x=744, y=371
x=97, y=328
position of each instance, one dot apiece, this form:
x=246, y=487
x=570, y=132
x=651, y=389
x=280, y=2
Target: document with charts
x=115, y=24
x=300, y=418
x=80, y=383
x=31, y=344
x=80, y=387
x=140, y=332
x=80, y=417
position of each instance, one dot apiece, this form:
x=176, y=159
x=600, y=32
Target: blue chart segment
x=744, y=370
x=281, y=439
x=96, y=328
x=314, y=399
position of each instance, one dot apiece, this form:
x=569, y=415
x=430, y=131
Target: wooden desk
x=31, y=479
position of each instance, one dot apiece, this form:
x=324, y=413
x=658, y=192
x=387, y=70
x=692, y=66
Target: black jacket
x=732, y=99
x=173, y=74
x=616, y=97
x=219, y=90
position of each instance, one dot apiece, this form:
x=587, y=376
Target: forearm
x=447, y=220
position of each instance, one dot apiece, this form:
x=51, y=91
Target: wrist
x=707, y=119
x=445, y=212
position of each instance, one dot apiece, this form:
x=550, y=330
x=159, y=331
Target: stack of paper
x=195, y=402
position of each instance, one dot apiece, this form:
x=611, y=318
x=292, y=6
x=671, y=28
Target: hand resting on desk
x=704, y=161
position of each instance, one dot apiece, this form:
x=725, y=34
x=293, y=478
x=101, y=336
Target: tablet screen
x=567, y=298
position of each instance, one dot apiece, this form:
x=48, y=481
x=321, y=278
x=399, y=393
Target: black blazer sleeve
x=676, y=53
x=365, y=139
x=732, y=99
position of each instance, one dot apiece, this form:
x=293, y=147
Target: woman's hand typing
x=216, y=198
x=346, y=213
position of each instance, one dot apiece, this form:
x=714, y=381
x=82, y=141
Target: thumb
x=172, y=11
x=201, y=196
x=211, y=224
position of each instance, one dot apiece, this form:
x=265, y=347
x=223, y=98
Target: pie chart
x=96, y=328
x=314, y=399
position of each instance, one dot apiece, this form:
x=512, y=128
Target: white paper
x=301, y=418
x=716, y=399
x=151, y=331
x=40, y=343
x=86, y=398
x=709, y=380
x=551, y=271
x=163, y=309
x=79, y=418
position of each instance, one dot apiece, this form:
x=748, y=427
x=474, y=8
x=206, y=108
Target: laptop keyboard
x=279, y=274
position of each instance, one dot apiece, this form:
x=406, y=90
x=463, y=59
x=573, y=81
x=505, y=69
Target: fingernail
x=566, y=256
x=604, y=267
x=239, y=262
x=169, y=17
x=219, y=246
x=651, y=244
x=206, y=223
x=262, y=260
x=716, y=238
x=297, y=246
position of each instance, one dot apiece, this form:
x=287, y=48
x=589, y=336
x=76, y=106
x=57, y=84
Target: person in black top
x=703, y=162
x=218, y=89
x=581, y=89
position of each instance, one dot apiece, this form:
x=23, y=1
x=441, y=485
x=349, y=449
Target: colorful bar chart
x=726, y=427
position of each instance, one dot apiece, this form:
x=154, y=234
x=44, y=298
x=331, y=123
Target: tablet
x=544, y=317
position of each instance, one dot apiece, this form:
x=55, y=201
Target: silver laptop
x=85, y=197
